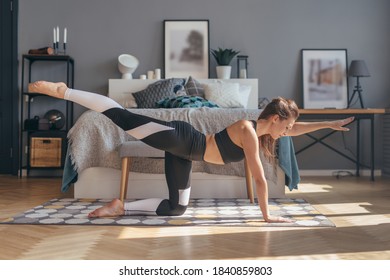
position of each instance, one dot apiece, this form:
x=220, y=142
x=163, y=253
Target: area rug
x=200, y=212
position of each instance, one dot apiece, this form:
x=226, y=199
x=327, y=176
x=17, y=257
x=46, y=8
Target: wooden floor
x=359, y=208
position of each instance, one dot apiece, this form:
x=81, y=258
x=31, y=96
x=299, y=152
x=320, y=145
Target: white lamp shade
x=127, y=65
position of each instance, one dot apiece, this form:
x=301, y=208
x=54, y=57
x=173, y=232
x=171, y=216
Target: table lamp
x=127, y=65
x=357, y=69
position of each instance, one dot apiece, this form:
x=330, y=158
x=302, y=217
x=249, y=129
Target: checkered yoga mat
x=200, y=212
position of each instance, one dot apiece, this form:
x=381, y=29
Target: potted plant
x=224, y=57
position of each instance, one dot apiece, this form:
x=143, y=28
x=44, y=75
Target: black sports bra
x=229, y=151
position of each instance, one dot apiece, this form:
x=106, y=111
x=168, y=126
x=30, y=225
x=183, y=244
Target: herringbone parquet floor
x=359, y=208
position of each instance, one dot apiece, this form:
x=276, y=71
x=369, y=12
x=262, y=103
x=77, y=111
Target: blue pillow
x=185, y=101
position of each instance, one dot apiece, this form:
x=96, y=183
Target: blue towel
x=69, y=175
x=288, y=162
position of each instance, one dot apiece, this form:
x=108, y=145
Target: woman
x=183, y=144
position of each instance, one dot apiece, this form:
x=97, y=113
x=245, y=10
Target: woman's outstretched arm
x=300, y=128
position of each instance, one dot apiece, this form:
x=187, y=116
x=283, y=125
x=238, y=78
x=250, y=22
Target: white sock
x=93, y=101
x=142, y=207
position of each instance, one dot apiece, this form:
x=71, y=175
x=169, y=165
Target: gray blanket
x=94, y=141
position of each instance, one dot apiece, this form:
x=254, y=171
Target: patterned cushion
x=185, y=101
x=193, y=87
x=148, y=97
x=179, y=84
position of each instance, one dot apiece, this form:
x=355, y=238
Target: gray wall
x=270, y=32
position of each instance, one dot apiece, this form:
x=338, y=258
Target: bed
x=93, y=163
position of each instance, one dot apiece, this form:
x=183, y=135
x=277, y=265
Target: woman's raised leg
x=56, y=90
x=93, y=101
x=153, y=132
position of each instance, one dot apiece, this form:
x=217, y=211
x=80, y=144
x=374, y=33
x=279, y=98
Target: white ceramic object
x=127, y=65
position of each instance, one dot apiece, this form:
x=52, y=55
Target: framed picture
x=324, y=75
x=186, y=49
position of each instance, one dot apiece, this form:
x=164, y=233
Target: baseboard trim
x=332, y=172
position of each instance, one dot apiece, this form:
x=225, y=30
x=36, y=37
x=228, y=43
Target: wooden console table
x=359, y=114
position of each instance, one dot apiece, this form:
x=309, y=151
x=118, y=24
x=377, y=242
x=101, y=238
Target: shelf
x=34, y=94
x=47, y=131
x=39, y=57
x=44, y=168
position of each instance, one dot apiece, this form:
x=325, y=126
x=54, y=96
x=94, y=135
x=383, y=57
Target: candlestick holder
x=57, y=50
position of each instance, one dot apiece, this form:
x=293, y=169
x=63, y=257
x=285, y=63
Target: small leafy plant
x=224, y=56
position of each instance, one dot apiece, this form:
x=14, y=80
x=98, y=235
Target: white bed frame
x=99, y=182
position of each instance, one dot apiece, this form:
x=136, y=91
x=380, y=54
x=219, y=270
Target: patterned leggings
x=180, y=141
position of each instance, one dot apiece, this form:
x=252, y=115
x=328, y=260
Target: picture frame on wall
x=186, y=49
x=324, y=77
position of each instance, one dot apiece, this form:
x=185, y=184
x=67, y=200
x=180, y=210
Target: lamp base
x=127, y=76
x=359, y=92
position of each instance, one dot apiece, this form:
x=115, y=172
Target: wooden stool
x=132, y=149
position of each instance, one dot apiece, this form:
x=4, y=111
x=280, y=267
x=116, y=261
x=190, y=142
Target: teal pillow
x=185, y=101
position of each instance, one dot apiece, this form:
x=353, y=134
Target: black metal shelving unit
x=26, y=97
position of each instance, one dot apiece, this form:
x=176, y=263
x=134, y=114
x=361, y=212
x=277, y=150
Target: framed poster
x=186, y=49
x=324, y=76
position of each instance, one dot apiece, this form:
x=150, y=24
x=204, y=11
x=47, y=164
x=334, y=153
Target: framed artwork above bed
x=186, y=49
x=324, y=77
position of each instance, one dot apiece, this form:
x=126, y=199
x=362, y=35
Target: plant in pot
x=224, y=57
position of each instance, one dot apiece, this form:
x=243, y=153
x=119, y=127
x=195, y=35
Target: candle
x=150, y=74
x=54, y=35
x=242, y=73
x=65, y=31
x=58, y=34
x=157, y=74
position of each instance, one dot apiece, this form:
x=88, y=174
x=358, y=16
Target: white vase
x=223, y=72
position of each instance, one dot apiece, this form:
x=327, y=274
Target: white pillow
x=129, y=100
x=245, y=91
x=227, y=95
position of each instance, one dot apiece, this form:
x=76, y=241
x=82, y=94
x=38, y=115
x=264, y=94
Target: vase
x=223, y=72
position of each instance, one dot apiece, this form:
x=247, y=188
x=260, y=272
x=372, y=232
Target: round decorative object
x=56, y=119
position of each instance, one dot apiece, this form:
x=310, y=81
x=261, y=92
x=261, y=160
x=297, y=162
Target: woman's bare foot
x=52, y=89
x=114, y=208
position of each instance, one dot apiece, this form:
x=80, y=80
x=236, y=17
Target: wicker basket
x=45, y=152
